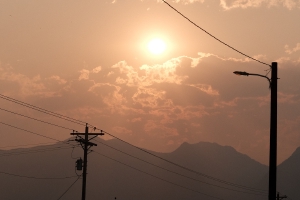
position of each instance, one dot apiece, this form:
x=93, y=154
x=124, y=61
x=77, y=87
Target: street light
x=273, y=127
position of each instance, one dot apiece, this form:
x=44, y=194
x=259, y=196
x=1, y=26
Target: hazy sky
x=89, y=60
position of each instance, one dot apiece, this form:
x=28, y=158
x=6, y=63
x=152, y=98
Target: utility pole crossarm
x=88, y=133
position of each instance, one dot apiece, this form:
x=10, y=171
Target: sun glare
x=156, y=46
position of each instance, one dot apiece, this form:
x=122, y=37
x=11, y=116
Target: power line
x=41, y=150
x=179, y=173
x=40, y=178
x=34, y=151
x=69, y=188
x=29, y=131
x=36, y=119
x=213, y=35
x=77, y=121
x=42, y=110
x=178, y=185
x=24, y=145
x=190, y=170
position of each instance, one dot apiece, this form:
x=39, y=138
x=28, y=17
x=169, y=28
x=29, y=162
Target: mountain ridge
x=123, y=171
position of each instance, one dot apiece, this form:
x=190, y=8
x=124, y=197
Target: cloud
x=289, y=4
x=232, y=4
x=84, y=74
x=59, y=80
x=289, y=50
x=23, y=85
x=97, y=69
x=283, y=59
x=182, y=99
x=205, y=88
x=188, y=1
x=148, y=97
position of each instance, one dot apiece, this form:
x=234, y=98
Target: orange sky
x=89, y=60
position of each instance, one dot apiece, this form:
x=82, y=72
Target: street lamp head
x=241, y=73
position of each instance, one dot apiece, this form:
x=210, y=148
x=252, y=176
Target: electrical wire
x=34, y=151
x=69, y=187
x=40, y=178
x=39, y=150
x=81, y=123
x=261, y=194
x=24, y=145
x=32, y=132
x=36, y=119
x=213, y=35
x=42, y=110
x=187, y=169
x=178, y=185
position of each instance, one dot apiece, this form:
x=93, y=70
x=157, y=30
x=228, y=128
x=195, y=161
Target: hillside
x=118, y=170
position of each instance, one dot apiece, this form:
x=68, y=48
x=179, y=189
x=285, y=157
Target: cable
x=190, y=170
x=179, y=173
x=31, y=132
x=159, y=177
x=24, y=145
x=42, y=110
x=18, y=153
x=34, y=151
x=214, y=36
x=36, y=119
x=41, y=178
x=81, y=123
x=69, y=187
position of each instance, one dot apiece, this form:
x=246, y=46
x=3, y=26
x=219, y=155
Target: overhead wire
x=40, y=178
x=42, y=110
x=24, y=145
x=176, y=173
x=41, y=150
x=81, y=123
x=178, y=185
x=187, y=169
x=213, y=35
x=12, y=126
x=35, y=119
x=34, y=151
x=45, y=112
x=69, y=187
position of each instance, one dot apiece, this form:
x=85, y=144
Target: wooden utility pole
x=86, y=145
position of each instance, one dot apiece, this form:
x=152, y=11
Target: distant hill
x=288, y=176
x=201, y=171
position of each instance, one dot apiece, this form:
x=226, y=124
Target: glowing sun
x=156, y=46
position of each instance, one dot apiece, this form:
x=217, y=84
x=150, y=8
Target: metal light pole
x=273, y=127
x=273, y=134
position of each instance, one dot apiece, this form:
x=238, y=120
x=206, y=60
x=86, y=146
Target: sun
x=156, y=46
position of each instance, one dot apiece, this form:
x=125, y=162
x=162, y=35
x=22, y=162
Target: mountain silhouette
x=117, y=170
